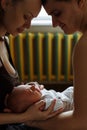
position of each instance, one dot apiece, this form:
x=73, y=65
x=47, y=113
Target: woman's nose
x=27, y=24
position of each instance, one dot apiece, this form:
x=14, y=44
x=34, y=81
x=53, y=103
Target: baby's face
x=33, y=93
x=23, y=96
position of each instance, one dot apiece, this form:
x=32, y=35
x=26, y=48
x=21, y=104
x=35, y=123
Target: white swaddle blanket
x=63, y=99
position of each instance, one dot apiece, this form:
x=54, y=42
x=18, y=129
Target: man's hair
x=45, y=1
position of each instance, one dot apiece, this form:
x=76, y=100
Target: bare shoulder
x=80, y=51
x=80, y=74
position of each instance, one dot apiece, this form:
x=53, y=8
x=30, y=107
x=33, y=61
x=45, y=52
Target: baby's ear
x=7, y=110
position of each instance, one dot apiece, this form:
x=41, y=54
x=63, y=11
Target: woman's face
x=67, y=15
x=18, y=17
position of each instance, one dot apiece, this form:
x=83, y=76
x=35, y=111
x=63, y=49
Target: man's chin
x=67, y=31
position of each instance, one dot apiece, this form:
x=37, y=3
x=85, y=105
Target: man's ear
x=81, y=3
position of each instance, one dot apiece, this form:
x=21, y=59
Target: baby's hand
x=36, y=85
x=41, y=86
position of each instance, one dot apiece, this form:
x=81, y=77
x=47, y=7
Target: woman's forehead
x=34, y=6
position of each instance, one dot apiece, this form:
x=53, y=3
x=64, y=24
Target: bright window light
x=42, y=19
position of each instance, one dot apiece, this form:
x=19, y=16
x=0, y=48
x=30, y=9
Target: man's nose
x=54, y=22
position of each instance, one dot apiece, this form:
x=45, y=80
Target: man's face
x=65, y=14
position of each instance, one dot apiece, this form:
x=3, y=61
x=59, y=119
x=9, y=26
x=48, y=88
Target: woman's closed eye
x=28, y=17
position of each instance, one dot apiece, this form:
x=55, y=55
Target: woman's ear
x=5, y=3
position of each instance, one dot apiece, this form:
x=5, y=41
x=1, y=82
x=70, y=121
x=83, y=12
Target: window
x=42, y=19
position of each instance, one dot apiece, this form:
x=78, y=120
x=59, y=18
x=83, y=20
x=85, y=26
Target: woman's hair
x=2, y=10
x=1, y=13
x=43, y=2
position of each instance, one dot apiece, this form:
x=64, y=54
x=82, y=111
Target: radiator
x=43, y=56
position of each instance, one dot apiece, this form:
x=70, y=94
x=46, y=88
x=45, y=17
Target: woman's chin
x=14, y=33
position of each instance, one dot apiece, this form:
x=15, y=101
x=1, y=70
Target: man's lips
x=62, y=25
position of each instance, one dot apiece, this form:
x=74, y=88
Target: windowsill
x=41, y=21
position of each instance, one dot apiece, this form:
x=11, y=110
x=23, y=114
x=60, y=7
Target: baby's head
x=22, y=97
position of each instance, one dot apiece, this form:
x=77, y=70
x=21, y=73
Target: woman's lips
x=20, y=30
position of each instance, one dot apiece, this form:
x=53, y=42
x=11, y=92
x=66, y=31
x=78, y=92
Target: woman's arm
x=33, y=113
x=8, y=118
x=57, y=122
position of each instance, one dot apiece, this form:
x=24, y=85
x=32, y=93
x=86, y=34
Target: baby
x=25, y=95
